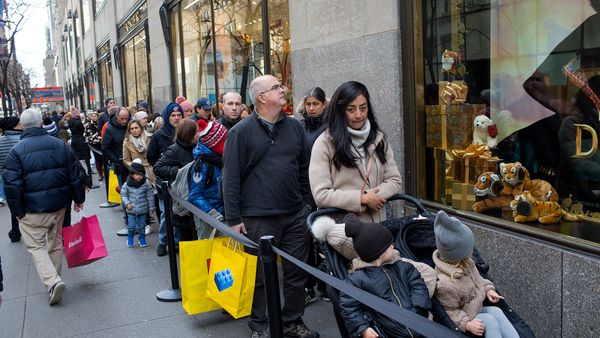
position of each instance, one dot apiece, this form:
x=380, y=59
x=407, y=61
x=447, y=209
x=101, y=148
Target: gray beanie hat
x=453, y=239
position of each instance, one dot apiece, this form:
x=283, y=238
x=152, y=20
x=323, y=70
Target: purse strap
x=368, y=171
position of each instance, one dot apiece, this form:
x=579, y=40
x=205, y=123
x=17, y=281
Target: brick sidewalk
x=113, y=297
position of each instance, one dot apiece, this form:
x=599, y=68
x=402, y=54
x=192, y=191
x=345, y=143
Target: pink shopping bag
x=83, y=242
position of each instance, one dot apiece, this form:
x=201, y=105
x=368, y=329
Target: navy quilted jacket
x=41, y=174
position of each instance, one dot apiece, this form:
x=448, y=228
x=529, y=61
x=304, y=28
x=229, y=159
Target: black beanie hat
x=8, y=123
x=370, y=240
x=137, y=167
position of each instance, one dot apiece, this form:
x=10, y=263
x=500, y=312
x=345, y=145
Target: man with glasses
x=202, y=110
x=266, y=192
x=232, y=109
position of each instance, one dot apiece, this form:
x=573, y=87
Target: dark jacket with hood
x=398, y=282
x=162, y=138
x=103, y=119
x=41, y=174
x=313, y=127
x=112, y=141
x=174, y=158
x=265, y=173
x=82, y=151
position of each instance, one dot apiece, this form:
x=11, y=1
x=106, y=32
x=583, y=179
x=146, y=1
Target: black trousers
x=290, y=235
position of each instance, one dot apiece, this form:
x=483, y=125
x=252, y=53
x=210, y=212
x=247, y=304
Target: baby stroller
x=414, y=239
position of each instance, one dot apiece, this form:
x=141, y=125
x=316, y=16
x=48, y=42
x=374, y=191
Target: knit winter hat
x=213, y=135
x=8, y=123
x=453, y=239
x=167, y=112
x=186, y=105
x=370, y=240
x=180, y=99
x=137, y=167
x=140, y=115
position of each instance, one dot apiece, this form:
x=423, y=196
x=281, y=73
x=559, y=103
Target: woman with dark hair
x=178, y=154
x=579, y=176
x=311, y=108
x=352, y=165
x=92, y=137
x=78, y=144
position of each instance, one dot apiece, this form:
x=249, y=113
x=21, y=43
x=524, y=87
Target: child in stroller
x=460, y=288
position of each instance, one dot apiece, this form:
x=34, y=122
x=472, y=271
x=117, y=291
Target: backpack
x=182, y=188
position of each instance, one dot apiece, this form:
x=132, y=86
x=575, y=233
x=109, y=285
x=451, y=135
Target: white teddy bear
x=484, y=131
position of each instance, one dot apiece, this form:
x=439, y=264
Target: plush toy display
x=484, y=131
x=527, y=208
x=516, y=180
x=489, y=187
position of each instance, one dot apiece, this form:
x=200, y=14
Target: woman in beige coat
x=135, y=145
x=352, y=165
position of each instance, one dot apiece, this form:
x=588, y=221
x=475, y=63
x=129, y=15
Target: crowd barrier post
x=271, y=279
x=174, y=293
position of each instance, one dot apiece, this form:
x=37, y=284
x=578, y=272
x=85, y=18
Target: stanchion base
x=109, y=205
x=169, y=295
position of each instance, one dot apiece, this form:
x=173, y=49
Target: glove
x=217, y=215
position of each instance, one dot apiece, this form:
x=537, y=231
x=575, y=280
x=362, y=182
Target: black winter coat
x=103, y=119
x=173, y=159
x=112, y=141
x=82, y=151
x=41, y=174
x=399, y=283
x=160, y=141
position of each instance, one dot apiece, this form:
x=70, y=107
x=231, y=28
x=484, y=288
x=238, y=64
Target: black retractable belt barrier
x=412, y=320
x=269, y=263
x=106, y=204
x=174, y=293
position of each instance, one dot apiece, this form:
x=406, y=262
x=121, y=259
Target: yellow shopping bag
x=195, y=260
x=231, y=278
x=113, y=183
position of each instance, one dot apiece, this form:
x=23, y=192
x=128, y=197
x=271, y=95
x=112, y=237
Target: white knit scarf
x=358, y=138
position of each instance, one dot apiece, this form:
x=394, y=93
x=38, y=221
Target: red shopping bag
x=83, y=242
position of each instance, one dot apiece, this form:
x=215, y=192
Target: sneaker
x=260, y=334
x=309, y=296
x=161, y=250
x=323, y=295
x=148, y=230
x=130, y=242
x=14, y=235
x=56, y=292
x=143, y=243
x=297, y=329
x=2, y=202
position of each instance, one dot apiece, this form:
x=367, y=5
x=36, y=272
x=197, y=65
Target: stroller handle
x=326, y=211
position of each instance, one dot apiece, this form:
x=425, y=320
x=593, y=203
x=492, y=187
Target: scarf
x=358, y=138
x=140, y=143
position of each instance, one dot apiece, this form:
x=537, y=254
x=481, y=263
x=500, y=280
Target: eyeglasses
x=275, y=87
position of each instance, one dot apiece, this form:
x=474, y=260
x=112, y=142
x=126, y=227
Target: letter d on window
x=579, y=153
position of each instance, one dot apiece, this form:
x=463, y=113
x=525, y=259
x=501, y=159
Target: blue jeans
x=136, y=222
x=162, y=232
x=2, y=194
x=496, y=323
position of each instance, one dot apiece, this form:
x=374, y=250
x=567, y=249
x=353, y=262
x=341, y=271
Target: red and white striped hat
x=213, y=135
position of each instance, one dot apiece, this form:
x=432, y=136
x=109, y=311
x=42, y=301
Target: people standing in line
x=78, y=143
x=51, y=127
x=205, y=186
x=160, y=141
x=11, y=135
x=137, y=195
x=311, y=108
x=266, y=192
x=105, y=116
x=460, y=288
x=232, y=105
x=92, y=137
x=188, y=108
x=202, y=110
x=352, y=165
x=38, y=189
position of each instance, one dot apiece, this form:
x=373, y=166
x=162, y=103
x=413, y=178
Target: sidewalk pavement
x=113, y=297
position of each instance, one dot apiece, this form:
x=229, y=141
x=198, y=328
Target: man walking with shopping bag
x=41, y=177
x=266, y=192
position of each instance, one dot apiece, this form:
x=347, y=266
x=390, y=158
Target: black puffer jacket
x=160, y=141
x=41, y=174
x=82, y=151
x=174, y=158
x=112, y=141
x=399, y=283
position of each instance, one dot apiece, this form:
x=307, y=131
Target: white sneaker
x=56, y=292
x=148, y=230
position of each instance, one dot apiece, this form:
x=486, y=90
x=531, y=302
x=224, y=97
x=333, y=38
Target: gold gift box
x=463, y=196
x=451, y=126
